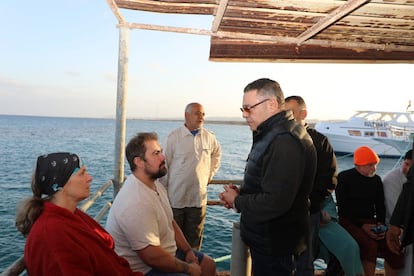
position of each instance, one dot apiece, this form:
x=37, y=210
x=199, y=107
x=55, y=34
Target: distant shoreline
x=221, y=121
x=213, y=122
x=218, y=121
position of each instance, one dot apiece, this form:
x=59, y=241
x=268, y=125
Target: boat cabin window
x=354, y=132
x=381, y=134
x=369, y=134
x=397, y=133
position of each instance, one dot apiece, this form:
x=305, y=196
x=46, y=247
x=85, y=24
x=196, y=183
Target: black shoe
x=334, y=268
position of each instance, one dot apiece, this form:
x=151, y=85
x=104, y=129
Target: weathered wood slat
x=295, y=30
x=179, y=7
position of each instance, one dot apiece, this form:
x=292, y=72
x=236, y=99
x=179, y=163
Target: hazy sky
x=60, y=58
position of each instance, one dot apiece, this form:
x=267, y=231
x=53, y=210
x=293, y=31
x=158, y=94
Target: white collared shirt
x=191, y=161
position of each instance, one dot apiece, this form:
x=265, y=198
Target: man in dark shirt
x=273, y=200
x=323, y=186
x=361, y=211
x=401, y=233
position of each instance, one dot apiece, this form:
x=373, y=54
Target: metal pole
x=241, y=264
x=122, y=90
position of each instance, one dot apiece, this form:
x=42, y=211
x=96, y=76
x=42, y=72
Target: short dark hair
x=298, y=99
x=409, y=155
x=267, y=87
x=136, y=147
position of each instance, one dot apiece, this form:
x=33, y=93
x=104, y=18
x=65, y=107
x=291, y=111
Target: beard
x=162, y=170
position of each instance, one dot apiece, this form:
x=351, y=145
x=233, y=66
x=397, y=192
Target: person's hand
x=325, y=218
x=190, y=257
x=393, y=239
x=234, y=187
x=228, y=195
x=367, y=227
x=194, y=269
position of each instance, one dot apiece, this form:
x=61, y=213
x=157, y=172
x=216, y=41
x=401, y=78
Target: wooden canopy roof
x=380, y=31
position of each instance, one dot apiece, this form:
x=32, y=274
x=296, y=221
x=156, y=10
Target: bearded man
x=141, y=219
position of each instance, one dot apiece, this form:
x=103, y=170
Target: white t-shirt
x=393, y=183
x=140, y=217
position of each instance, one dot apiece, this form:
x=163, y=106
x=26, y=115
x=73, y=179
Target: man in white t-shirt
x=141, y=220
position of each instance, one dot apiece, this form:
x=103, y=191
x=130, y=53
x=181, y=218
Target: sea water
x=23, y=138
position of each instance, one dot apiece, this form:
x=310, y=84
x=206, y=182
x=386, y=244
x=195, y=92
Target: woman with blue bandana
x=61, y=239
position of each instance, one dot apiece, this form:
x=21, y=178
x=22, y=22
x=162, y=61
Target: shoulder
x=288, y=143
x=392, y=174
x=53, y=227
x=207, y=131
x=347, y=172
x=128, y=190
x=175, y=132
x=378, y=179
x=130, y=182
x=314, y=133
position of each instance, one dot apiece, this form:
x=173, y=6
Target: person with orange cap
x=361, y=211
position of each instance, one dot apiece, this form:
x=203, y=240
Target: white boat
x=389, y=134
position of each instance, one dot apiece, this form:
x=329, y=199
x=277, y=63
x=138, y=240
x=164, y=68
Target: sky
x=60, y=58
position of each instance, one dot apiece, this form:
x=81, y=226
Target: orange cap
x=365, y=155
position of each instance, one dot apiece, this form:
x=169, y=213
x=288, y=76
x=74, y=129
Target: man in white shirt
x=141, y=221
x=193, y=156
x=393, y=183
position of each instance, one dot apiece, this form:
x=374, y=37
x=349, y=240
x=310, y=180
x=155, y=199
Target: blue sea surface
x=23, y=138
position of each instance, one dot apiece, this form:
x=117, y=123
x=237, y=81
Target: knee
x=208, y=266
x=352, y=246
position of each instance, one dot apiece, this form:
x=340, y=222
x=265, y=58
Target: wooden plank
x=242, y=50
x=267, y=15
x=386, y=11
x=330, y=19
x=180, y=7
x=219, y=15
x=334, y=32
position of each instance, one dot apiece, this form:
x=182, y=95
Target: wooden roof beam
x=254, y=38
x=331, y=18
x=115, y=10
x=152, y=27
x=219, y=15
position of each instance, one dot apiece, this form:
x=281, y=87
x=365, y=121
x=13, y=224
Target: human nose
x=162, y=156
x=88, y=176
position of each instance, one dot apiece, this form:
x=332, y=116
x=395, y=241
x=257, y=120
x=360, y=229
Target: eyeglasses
x=246, y=108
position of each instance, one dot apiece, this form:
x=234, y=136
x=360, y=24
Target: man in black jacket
x=401, y=228
x=324, y=184
x=280, y=169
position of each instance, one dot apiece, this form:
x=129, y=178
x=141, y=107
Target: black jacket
x=273, y=199
x=403, y=214
x=326, y=175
